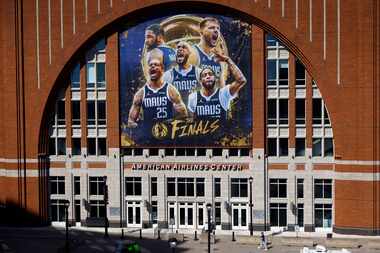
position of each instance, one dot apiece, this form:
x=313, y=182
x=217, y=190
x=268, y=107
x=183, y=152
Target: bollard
x=158, y=234
x=233, y=236
x=195, y=235
x=122, y=233
x=176, y=231
x=140, y=233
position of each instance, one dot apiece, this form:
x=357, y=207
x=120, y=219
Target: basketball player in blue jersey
x=154, y=38
x=184, y=76
x=158, y=100
x=212, y=102
x=206, y=49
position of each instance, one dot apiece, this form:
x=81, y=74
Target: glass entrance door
x=186, y=215
x=133, y=213
x=239, y=216
x=172, y=216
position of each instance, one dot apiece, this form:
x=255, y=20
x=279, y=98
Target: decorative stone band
x=187, y=166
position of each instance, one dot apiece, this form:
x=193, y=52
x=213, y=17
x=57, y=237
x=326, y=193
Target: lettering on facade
x=187, y=166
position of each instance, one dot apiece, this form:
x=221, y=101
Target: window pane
x=91, y=146
x=272, y=111
x=300, y=72
x=129, y=188
x=317, y=111
x=300, y=146
x=300, y=111
x=283, y=147
x=102, y=146
x=76, y=146
x=61, y=146
x=317, y=147
x=52, y=150
x=217, y=185
x=234, y=190
x=171, y=186
x=75, y=77
x=318, y=191
x=61, y=112
x=283, y=190
x=243, y=190
x=273, y=217
x=138, y=189
x=154, y=186
x=76, y=185
x=75, y=112
x=326, y=116
x=190, y=189
x=300, y=188
x=90, y=75
x=283, y=108
x=101, y=112
x=282, y=217
x=271, y=41
x=283, y=72
x=90, y=112
x=100, y=73
x=272, y=70
x=329, y=149
x=273, y=189
x=272, y=147
x=181, y=187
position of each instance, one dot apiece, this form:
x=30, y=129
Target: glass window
x=90, y=112
x=329, y=149
x=323, y=188
x=283, y=149
x=181, y=187
x=239, y=187
x=217, y=152
x=277, y=188
x=278, y=216
x=169, y=152
x=76, y=146
x=154, y=213
x=201, y=152
x=102, y=146
x=61, y=146
x=283, y=111
x=171, y=186
x=200, y=182
x=77, y=210
x=57, y=210
x=57, y=185
x=97, y=185
x=283, y=72
x=317, y=111
x=271, y=72
x=323, y=215
x=91, y=146
x=317, y=147
x=300, y=111
x=271, y=40
x=272, y=111
x=90, y=75
x=97, y=209
x=61, y=112
x=217, y=186
x=75, y=112
x=180, y=152
x=300, y=188
x=300, y=147
x=76, y=185
x=272, y=146
x=153, y=186
x=300, y=215
x=218, y=214
x=100, y=72
x=52, y=150
x=133, y=186
x=101, y=112
x=75, y=77
x=300, y=74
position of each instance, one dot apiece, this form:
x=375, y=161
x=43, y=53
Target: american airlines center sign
x=185, y=80
x=186, y=166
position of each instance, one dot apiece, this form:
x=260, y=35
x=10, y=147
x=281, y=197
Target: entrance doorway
x=133, y=213
x=239, y=216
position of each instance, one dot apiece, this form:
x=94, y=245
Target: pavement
x=84, y=239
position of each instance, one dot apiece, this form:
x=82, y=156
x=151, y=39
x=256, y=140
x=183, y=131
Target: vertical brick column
x=112, y=80
x=292, y=103
x=309, y=111
x=68, y=119
x=259, y=129
x=83, y=107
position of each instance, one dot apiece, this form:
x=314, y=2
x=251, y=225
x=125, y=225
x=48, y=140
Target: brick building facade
x=50, y=153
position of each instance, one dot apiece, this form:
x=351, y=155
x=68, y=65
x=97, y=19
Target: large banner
x=185, y=80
